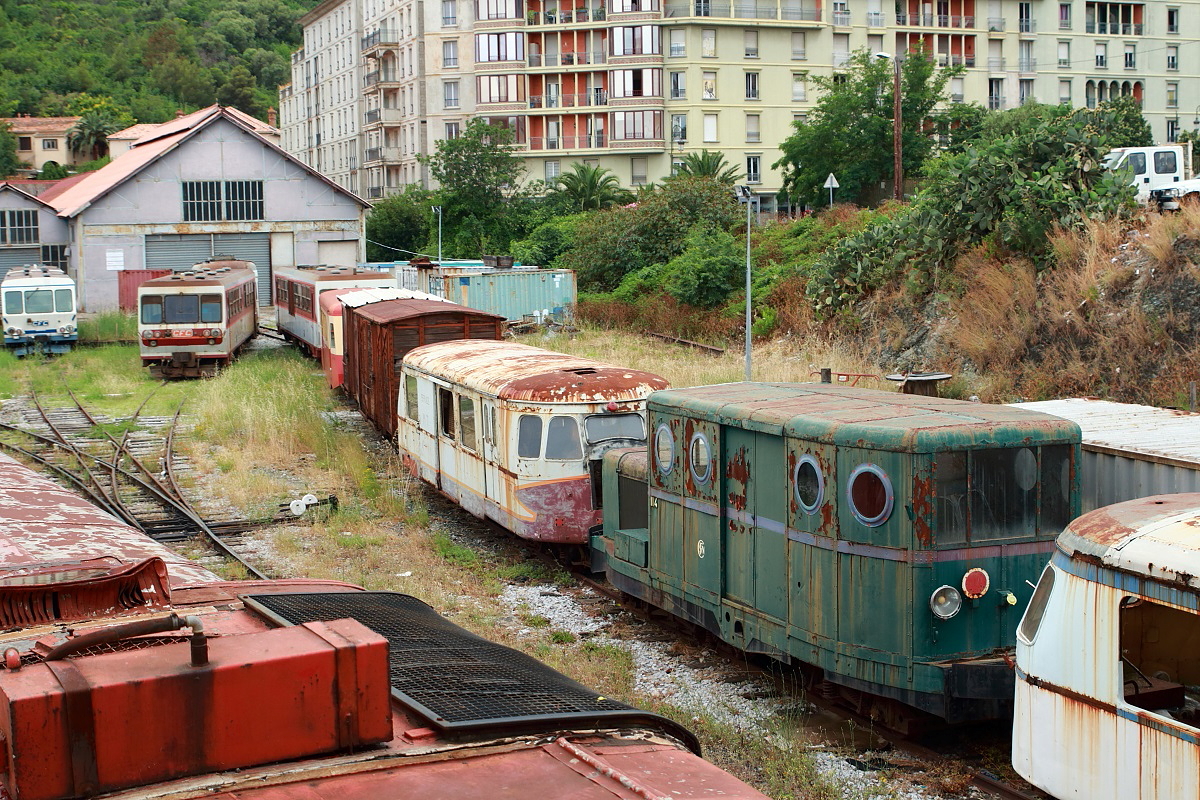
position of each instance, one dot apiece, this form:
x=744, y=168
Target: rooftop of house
x=40, y=126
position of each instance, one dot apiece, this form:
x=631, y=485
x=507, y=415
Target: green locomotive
x=890, y=540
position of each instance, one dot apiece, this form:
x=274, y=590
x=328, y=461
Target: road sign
x=831, y=182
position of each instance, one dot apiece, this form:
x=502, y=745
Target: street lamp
x=746, y=196
x=897, y=146
x=438, y=210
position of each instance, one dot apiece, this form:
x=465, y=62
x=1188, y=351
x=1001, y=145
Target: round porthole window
x=809, y=484
x=664, y=449
x=869, y=493
x=700, y=458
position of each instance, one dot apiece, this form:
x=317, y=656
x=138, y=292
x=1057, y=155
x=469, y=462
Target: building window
x=799, y=87
x=18, y=227
x=450, y=94
x=841, y=12
x=553, y=170
x=1173, y=57
x=708, y=43
x=1101, y=55
x=1064, y=16
x=49, y=144
x=678, y=85
x=799, y=48
x=751, y=44
x=753, y=169
x=496, y=9
x=450, y=53
x=1064, y=55
x=637, y=171
x=1172, y=130
x=1025, y=86
x=24, y=143
x=637, y=125
x=1172, y=95
x=1025, y=22
x=1130, y=56
x=449, y=12
x=499, y=47
x=710, y=127
x=710, y=86
x=678, y=43
x=1064, y=92
x=751, y=85
x=752, y=128
x=210, y=201
x=679, y=128
x=55, y=255
x=1172, y=20
x=635, y=40
x=452, y=130
x=995, y=93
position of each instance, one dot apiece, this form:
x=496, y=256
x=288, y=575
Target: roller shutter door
x=178, y=252
x=18, y=257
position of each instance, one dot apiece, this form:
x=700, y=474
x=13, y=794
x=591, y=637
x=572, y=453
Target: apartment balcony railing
x=374, y=192
x=996, y=64
x=1064, y=100
x=956, y=98
x=566, y=17
x=384, y=37
x=935, y=20
x=797, y=12
x=385, y=116
x=1064, y=24
x=995, y=102
x=841, y=17
x=1027, y=25
x=799, y=55
x=596, y=97
x=373, y=154
x=592, y=140
x=757, y=9
x=380, y=76
x=876, y=19
x=1027, y=65
x=997, y=23
x=1115, y=28
x=566, y=59
x=1064, y=63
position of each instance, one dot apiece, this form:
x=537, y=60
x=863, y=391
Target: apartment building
x=634, y=85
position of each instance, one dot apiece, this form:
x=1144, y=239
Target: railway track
x=134, y=477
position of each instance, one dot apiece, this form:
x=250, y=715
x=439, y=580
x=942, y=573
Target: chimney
x=271, y=116
x=179, y=113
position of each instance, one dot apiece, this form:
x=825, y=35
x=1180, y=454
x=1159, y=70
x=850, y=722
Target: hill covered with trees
x=144, y=59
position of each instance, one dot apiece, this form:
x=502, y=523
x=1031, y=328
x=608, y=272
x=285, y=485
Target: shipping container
x=517, y=293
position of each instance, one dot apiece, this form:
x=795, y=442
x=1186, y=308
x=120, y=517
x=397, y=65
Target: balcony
x=374, y=192
x=383, y=116
x=1114, y=28
x=996, y=64
x=384, y=37
x=1027, y=65
x=935, y=21
x=997, y=24
x=791, y=10
x=798, y=12
x=1027, y=25
x=376, y=154
x=379, y=77
x=567, y=59
x=587, y=141
x=876, y=19
x=596, y=97
x=841, y=18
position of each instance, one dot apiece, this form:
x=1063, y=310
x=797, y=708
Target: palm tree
x=708, y=163
x=590, y=188
x=89, y=136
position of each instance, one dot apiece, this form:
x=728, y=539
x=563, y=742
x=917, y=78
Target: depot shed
x=379, y=334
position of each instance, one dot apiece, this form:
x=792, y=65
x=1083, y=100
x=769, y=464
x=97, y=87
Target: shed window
x=664, y=449
x=466, y=423
x=19, y=226
x=870, y=495
x=1037, y=606
x=700, y=458
x=809, y=484
x=529, y=436
x=410, y=396
x=446, y=409
x=210, y=201
x=562, y=439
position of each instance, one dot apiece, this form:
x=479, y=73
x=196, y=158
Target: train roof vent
x=582, y=371
x=76, y=590
x=459, y=682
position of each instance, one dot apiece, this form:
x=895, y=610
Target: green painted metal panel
x=666, y=537
x=631, y=545
x=770, y=536
x=513, y=293
x=739, y=496
x=875, y=606
x=896, y=530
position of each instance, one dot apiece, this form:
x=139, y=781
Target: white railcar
x=298, y=293
x=39, y=305
x=1108, y=657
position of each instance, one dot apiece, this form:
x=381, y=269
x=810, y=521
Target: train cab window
x=808, y=483
x=1003, y=493
x=870, y=495
x=210, y=308
x=952, y=504
x=1056, y=487
x=181, y=308
x=446, y=409
x=529, y=436
x=332, y=337
x=1160, y=671
x=152, y=309
x=13, y=304
x=700, y=458
x=562, y=439
x=39, y=301
x=604, y=427
x=466, y=423
x=664, y=449
x=410, y=397
x=1032, y=620
x=63, y=300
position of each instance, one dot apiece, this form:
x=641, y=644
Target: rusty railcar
x=129, y=673
x=298, y=293
x=1108, y=671
x=379, y=333
x=194, y=322
x=883, y=538
x=517, y=434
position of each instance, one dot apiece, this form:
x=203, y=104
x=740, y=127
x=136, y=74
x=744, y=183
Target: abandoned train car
x=298, y=293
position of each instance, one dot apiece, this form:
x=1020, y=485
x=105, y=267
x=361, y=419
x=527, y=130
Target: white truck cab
x=1161, y=174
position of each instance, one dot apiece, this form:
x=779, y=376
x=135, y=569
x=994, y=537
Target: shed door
x=181, y=251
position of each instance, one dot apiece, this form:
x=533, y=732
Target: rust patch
x=793, y=503
x=563, y=511
x=685, y=456
x=738, y=477
x=922, y=505
x=1101, y=527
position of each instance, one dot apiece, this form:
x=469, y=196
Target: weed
x=453, y=552
x=562, y=637
x=534, y=620
x=534, y=572
x=108, y=326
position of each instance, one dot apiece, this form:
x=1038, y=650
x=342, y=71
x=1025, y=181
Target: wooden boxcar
x=193, y=323
x=1108, y=657
x=38, y=310
x=298, y=292
x=517, y=434
x=885, y=538
x=378, y=334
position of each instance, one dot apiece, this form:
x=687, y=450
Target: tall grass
x=108, y=326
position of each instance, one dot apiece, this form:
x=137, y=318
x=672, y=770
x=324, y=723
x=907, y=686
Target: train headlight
x=945, y=602
x=152, y=343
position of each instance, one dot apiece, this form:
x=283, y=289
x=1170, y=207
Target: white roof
x=365, y=297
x=1149, y=431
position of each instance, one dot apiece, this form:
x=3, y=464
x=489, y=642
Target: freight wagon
x=39, y=310
x=884, y=538
x=1108, y=679
x=298, y=292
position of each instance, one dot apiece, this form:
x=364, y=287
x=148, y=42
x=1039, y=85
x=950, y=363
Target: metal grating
x=460, y=682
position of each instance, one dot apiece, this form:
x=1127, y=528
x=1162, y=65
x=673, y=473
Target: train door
x=426, y=445
x=447, y=431
x=493, y=490
x=755, y=552
x=813, y=498
x=737, y=546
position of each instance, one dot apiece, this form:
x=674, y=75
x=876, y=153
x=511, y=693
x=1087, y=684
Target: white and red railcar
x=298, y=293
x=192, y=323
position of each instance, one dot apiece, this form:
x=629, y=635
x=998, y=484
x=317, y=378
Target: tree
x=479, y=173
x=238, y=91
x=89, y=136
x=1119, y=120
x=709, y=164
x=52, y=171
x=9, y=163
x=589, y=188
x=849, y=132
x=400, y=226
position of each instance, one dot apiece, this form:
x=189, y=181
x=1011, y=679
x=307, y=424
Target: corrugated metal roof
x=1155, y=433
x=387, y=311
x=40, y=125
x=856, y=416
x=519, y=372
x=1158, y=537
x=330, y=272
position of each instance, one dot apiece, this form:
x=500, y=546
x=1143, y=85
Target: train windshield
x=601, y=427
x=181, y=309
x=39, y=301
